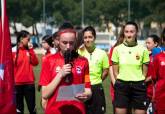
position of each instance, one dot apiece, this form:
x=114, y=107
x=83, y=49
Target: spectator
x=24, y=59
x=48, y=46
x=151, y=42
x=159, y=79
x=55, y=38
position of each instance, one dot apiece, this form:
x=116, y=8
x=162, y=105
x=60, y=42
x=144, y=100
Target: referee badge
x=137, y=56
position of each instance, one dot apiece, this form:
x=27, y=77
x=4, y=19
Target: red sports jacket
x=24, y=60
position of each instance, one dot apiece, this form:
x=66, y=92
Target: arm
x=145, y=69
x=104, y=74
x=146, y=60
x=115, y=65
x=105, y=66
x=115, y=70
x=49, y=89
x=112, y=77
x=33, y=57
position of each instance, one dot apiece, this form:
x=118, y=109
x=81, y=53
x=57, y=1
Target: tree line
x=96, y=12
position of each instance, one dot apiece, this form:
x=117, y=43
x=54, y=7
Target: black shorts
x=130, y=94
x=97, y=104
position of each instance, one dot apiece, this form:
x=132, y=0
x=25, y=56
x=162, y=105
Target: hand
x=30, y=45
x=66, y=69
x=82, y=97
x=113, y=82
x=44, y=103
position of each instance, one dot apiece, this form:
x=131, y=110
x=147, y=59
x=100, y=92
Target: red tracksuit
x=159, y=77
x=150, y=84
x=23, y=68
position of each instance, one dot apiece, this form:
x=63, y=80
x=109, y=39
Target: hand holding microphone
x=66, y=69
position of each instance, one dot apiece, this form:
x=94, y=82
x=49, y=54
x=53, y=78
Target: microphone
x=68, y=59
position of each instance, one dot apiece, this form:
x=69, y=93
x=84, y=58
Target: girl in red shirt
x=48, y=46
x=59, y=73
x=151, y=42
x=24, y=59
x=159, y=79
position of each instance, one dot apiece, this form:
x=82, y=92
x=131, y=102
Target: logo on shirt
x=78, y=70
x=137, y=56
x=58, y=68
x=162, y=63
x=1, y=71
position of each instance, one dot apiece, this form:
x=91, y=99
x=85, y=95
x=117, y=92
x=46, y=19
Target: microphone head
x=67, y=56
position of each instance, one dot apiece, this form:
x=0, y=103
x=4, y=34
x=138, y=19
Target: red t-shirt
x=80, y=70
x=48, y=53
x=150, y=72
x=159, y=77
x=111, y=86
x=23, y=68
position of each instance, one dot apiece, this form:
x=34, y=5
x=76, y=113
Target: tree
x=96, y=12
x=24, y=11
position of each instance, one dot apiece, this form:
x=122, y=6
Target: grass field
x=38, y=94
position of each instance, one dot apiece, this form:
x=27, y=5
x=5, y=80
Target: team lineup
x=136, y=72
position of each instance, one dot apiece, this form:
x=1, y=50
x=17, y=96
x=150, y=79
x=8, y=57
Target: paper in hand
x=66, y=93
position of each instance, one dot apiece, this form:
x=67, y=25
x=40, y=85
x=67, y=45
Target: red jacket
x=159, y=77
x=23, y=65
x=150, y=73
x=47, y=54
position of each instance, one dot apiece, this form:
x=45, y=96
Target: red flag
x=7, y=96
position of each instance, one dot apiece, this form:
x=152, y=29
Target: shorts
x=130, y=94
x=97, y=104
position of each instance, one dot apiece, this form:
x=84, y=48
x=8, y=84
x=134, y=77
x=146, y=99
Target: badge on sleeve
x=78, y=70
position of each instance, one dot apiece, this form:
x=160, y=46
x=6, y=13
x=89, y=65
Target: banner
x=7, y=96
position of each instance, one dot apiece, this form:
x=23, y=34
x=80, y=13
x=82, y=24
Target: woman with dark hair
x=152, y=41
x=159, y=78
x=161, y=47
x=98, y=68
x=130, y=62
x=48, y=46
x=24, y=59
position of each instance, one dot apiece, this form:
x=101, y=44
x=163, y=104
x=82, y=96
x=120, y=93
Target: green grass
x=38, y=94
